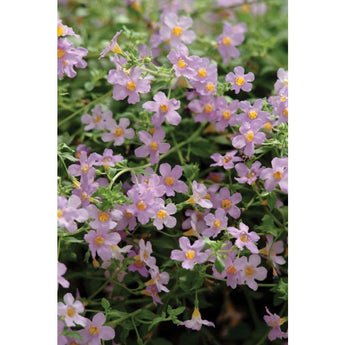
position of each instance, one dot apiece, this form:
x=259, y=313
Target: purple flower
x=227, y=202
x=233, y=271
x=128, y=217
x=182, y=63
x=98, y=119
x=239, y=80
x=170, y=179
x=253, y=112
x=272, y=250
x=205, y=108
x=283, y=80
x=227, y=161
x=61, y=271
x=190, y=254
x=163, y=215
x=94, y=330
x=145, y=251
x=228, y=41
x=204, y=72
x=84, y=168
x=69, y=57
x=158, y=279
x=216, y=222
x=195, y=223
x=108, y=159
x=118, y=132
x=101, y=219
x=200, y=195
x=249, y=136
x=138, y=265
x=176, y=30
x=248, y=175
x=164, y=109
x=252, y=272
x=151, y=290
x=68, y=212
x=112, y=46
x=64, y=30
x=275, y=321
x=70, y=311
x=244, y=238
x=128, y=85
x=62, y=340
x=153, y=145
x=278, y=174
x=196, y=322
x=100, y=242
x=226, y=113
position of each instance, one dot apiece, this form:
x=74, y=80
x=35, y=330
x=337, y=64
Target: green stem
x=66, y=119
x=158, y=74
x=100, y=289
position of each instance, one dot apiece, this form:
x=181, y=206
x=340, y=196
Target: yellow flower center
x=239, y=81
x=154, y=146
x=116, y=49
x=190, y=254
x=131, y=86
x=202, y=73
x=99, y=240
x=252, y=114
x=94, y=330
x=244, y=238
x=164, y=108
x=59, y=213
x=161, y=214
x=84, y=168
x=60, y=31
x=146, y=254
x=74, y=343
x=181, y=63
x=232, y=270
x=250, y=174
x=208, y=108
x=83, y=196
x=226, y=204
x=118, y=132
x=141, y=205
x=127, y=214
x=61, y=53
x=226, y=114
x=169, y=181
x=226, y=41
x=209, y=87
x=277, y=175
x=196, y=313
x=177, y=31
x=249, y=271
x=245, y=8
x=249, y=136
x=216, y=224
x=286, y=112
x=226, y=159
x=138, y=262
x=97, y=119
x=70, y=311
x=103, y=217
x=268, y=125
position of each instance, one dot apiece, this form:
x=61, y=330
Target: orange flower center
x=239, y=81
x=177, y=31
x=190, y=254
x=161, y=214
x=249, y=271
x=202, y=73
x=216, y=224
x=141, y=205
x=61, y=53
x=226, y=204
x=252, y=114
x=99, y=240
x=131, y=86
x=226, y=41
x=226, y=114
x=232, y=270
x=118, y=132
x=226, y=159
x=268, y=125
x=164, y=108
x=71, y=311
x=208, y=108
x=209, y=87
x=277, y=175
x=103, y=217
x=286, y=112
x=84, y=168
x=59, y=213
x=181, y=63
x=94, y=330
x=169, y=181
x=97, y=119
x=249, y=136
x=154, y=146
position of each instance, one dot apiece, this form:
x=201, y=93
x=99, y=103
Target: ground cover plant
x=172, y=172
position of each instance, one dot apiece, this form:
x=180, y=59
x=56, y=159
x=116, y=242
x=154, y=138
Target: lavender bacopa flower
x=228, y=41
x=227, y=161
x=97, y=120
x=183, y=64
x=100, y=242
x=245, y=238
x=69, y=57
x=69, y=211
x=200, y=195
x=277, y=175
x=108, y=159
x=112, y=46
x=84, y=168
x=153, y=145
x=252, y=272
x=94, y=330
x=253, y=112
x=226, y=113
x=196, y=322
x=103, y=219
x=170, y=179
x=190, y=254
x=128, y=85
x=249, y=136
x=163, y=215
x=275, y=321
x=272, y=250
x=283, y=80
x=158, y=279
x=239, y=80
x=64, y=30
x=163, y=109
x=118, y=132
x=61, y=271
x=228, y=202
x=248, y=175
x=69, y=311
x=205, y=108
x=215, y=222
x=175, y=30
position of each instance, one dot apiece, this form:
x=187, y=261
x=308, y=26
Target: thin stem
x=70, y=117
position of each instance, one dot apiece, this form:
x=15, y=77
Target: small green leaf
x=105, y=304
x=219, y=264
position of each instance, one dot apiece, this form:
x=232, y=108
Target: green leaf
x=219, y=264
x=74, y=335
x=105, y=304
x=146, y=315
x=175, y=312
x=155, y=321
x=271, y=201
